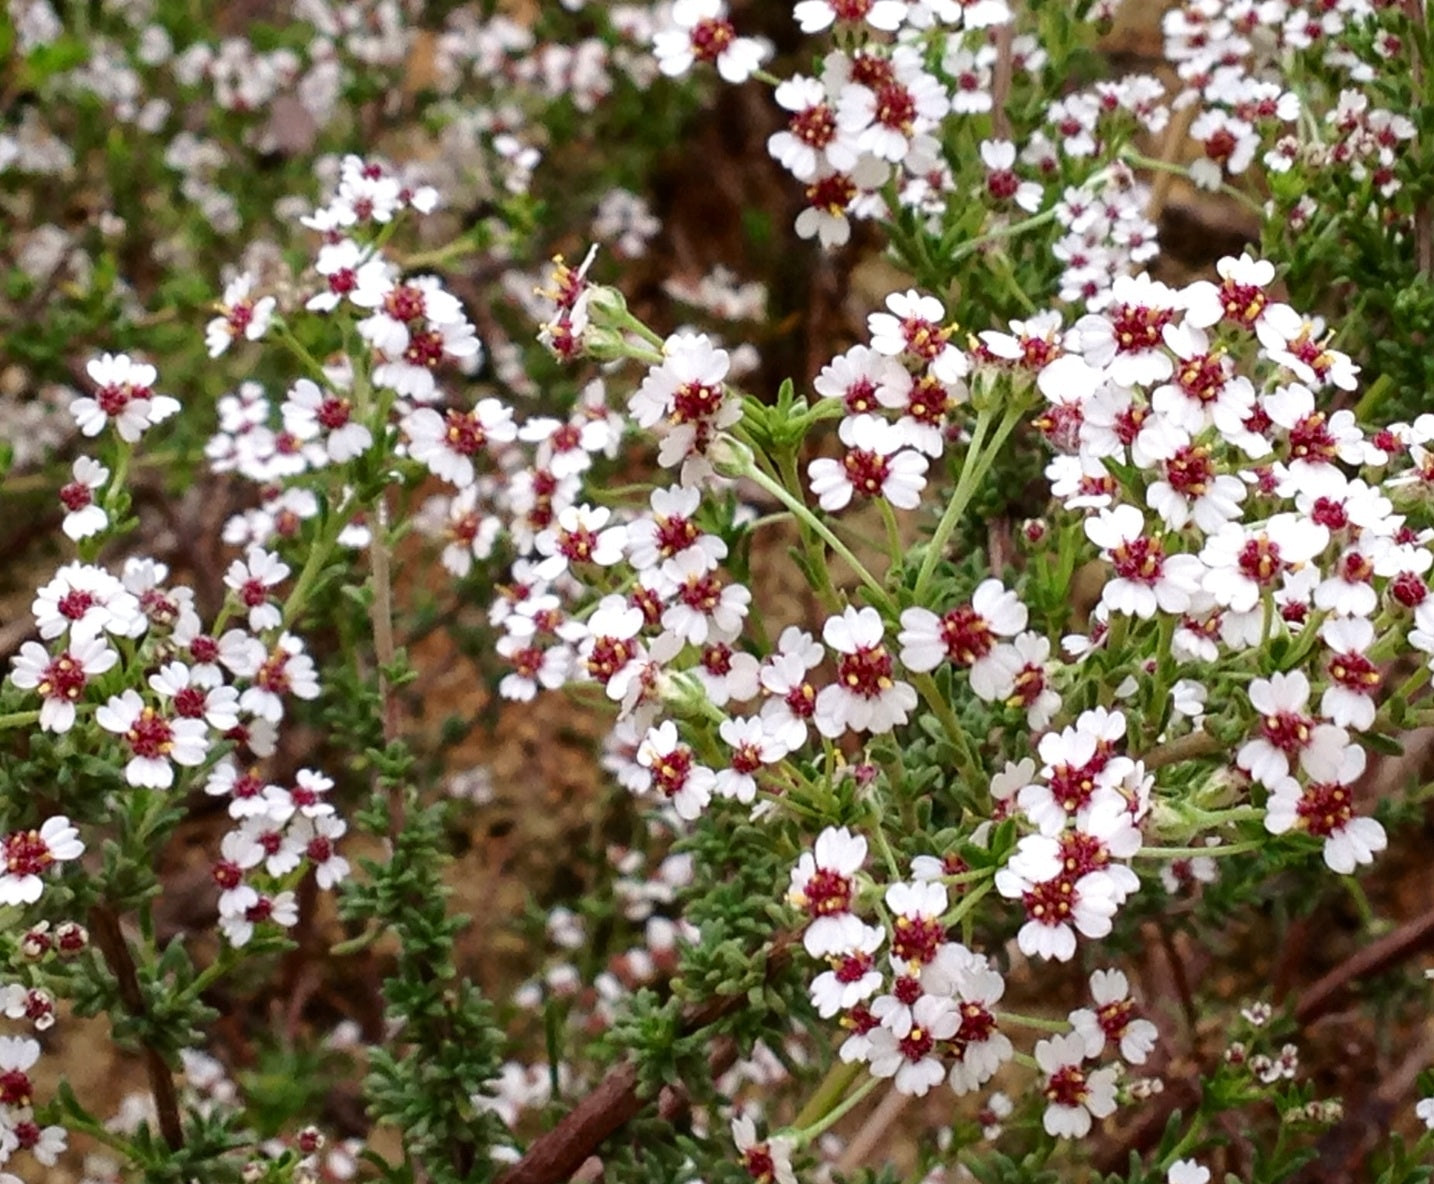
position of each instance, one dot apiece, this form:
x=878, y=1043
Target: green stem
x=876, y=592
x=1031, y=1021
x=1192, y=852
x=837, y=1081
x=318, y=555
x=966, y=759
x=837, y=1113
x=18, y=719
x=967, y=903
x=973, y=471
x=972, y=245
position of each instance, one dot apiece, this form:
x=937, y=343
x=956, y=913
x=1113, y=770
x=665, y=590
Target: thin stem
x=966, y=759
x=1039, y=1023
x=1192, y=852
x=1189, y=747
x=973, y=472
x=105, y=925
x=777, y=490
x=972, y=245
x=837, y=1113
x=18, y=719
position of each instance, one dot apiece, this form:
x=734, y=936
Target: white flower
x=1073, y=1096
x=86, y=600
x=1126, y=340
x=309, y=411
x=703, y=33
x=27, y=853
x=768, y=1161
x=1187, y=1171
x=447, y=443
x=966, y=636
x=876, y=464
x=287, y=670
x=60, y=680
x=250, y=579
x=912, y=328
x=912, y=1059
x=239, y=316
x=124, y=396
x=866, y=696
x=1287, y=733
x=815, y=15
x=752, y=747
x=154, y=740
x=1146, y=578
x=1113, y=1019
x=675, y=771
x=822, y=884
x=83, y=518
x=1325, y=809
x=853, y=977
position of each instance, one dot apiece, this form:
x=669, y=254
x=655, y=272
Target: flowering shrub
x=990, y=713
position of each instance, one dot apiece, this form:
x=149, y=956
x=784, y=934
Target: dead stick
x=553, y=1157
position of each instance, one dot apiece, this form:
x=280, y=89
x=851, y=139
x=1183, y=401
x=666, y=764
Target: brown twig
x=105, y=926
x=553, y=1157
x=1373, y=959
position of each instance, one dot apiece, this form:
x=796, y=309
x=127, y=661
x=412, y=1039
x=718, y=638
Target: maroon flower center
x=1354, y=671
x=867, y=471
x=527, y=661
x=827, y=892
x=923, y=338
x=966, y=634
x=1114, y=1017
x=261, y=910
x=801, y=700
x=717, y=659
x=577, y=545
x=1050, y=902
x=895, y=107
x=64, y=678
x=977, y=1024
x=907, y=989
x=1138, y=327
x=1067, y=1086
x=757, y=1160
x=1221, y=145
x=1408, y=589
x=916, y=1044
x=320, y=849
x=710, y=38
x=76, y=496
x=916, y=939
x=189, y=703
x=1286, y=730
x=1324, y=809
x=928, y=401
x=75, y=603
x=1190, y=471
x=1002, y=184
x=26, y=853
x=343, y=281
x=673, y=534
x=204, y=649
x=815, y=126
x=832, y=194
x=464, y=432
x=1081, y=853
x=670, y=770
x=866, y=673
x=15, y=1088
x=333, y=412
x=1259, y=560
x=608, y=656
x=404, y=303
x=746, y=758
x=150, y=736
x=1141, y=560
x=1243, y=303
x=702, y=594
x=695, y=402
x=1310, y=439
x=113, y=399
x=860, y=396
x=854, y=967
x=227, y=874
x=425, y=349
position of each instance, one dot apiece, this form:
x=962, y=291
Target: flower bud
x=71, y=938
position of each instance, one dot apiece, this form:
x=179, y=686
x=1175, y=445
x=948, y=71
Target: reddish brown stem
x=105, y=927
